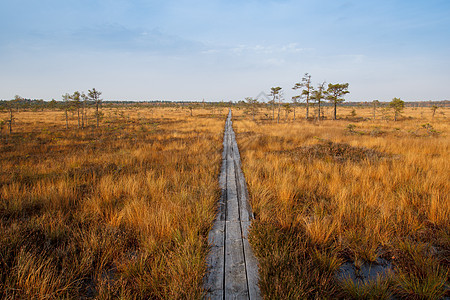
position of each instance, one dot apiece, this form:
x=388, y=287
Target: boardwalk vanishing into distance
x=232, y=267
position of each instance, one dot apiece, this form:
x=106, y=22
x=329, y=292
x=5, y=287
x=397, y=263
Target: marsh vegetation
x=356, y=207
x=350, y=208
x=119, y=211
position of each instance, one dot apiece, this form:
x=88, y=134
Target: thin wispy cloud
x=240, y=49
x=221, y=49
x=107, y=37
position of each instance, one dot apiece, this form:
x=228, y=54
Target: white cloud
x=259, y=51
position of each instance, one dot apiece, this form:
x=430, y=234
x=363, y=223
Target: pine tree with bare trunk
x=375, y=104
x=13, y=104
x=84, y=110
x=66, y=99
x=397, y=105
x=252, y=102
x=280, y=101
x=295, y=101
x=2, y=123
x=11, y=120
x=433, y=110
x=306, y=92
x=75, y=97
x=287, y=109
x=317, y=96
x=274, y=92
x=94, y=95
x=335, y=95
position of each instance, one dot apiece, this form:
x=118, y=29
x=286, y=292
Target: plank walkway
x=232, y=267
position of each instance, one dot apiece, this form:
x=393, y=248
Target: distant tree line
x=310, y=95
x=322, y=94
x=77, y=102
x=80, y=102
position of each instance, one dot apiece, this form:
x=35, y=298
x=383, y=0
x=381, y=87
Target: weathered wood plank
x=215, y=295
x=216, y=236
x=251, y=264
x=215, y=260
x=221, y=210
x=235, y=274
x=234, y=231
x=232, y=267
x=214, y=282
x=244, y=211
x=232, y=198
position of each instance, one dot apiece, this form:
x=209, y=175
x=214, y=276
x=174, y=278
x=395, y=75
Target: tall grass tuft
x=122, y=211
x=326, y=197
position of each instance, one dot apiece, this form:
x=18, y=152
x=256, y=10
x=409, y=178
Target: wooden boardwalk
x=232, y=267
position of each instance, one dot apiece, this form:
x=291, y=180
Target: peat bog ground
x=352, y=208
x=120, y=211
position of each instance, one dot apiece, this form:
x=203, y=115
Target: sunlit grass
x=325, y=193
x=122, y=211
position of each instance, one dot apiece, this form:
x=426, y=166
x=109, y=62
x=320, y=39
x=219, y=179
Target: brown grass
x=326, y=194
x=122, y=211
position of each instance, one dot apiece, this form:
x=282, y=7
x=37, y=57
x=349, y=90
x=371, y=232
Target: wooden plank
x=232, y=267
x=222, y=208
x=225, y=150
x=251, y=264
x=215, y=260
x=216, y=236
x=244, y=205
x=214, y=281
x=236, y=149
x=232, y=200
x=221, y=211
x=245, y=217
x=223, y=174
x=235, y=275
x=244, y=212
x=215, y=295
x=233, y=230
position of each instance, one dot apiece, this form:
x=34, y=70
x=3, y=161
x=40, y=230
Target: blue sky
x=223, y=49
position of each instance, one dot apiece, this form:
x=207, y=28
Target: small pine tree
x=252, y=103
x=76, y=100
x=318, y=95
x=433, y=110
x=275, y=93
x=397, y=105
x=94, y=95
x=306, y=92
x=336, y=93
x=66, y=99
x=375, y=104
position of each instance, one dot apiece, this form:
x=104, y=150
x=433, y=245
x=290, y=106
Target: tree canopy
x=335, y=93
x=397, y=105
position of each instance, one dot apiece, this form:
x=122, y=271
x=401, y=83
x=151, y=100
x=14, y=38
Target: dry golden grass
x=122, y=211
x=353, y=191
